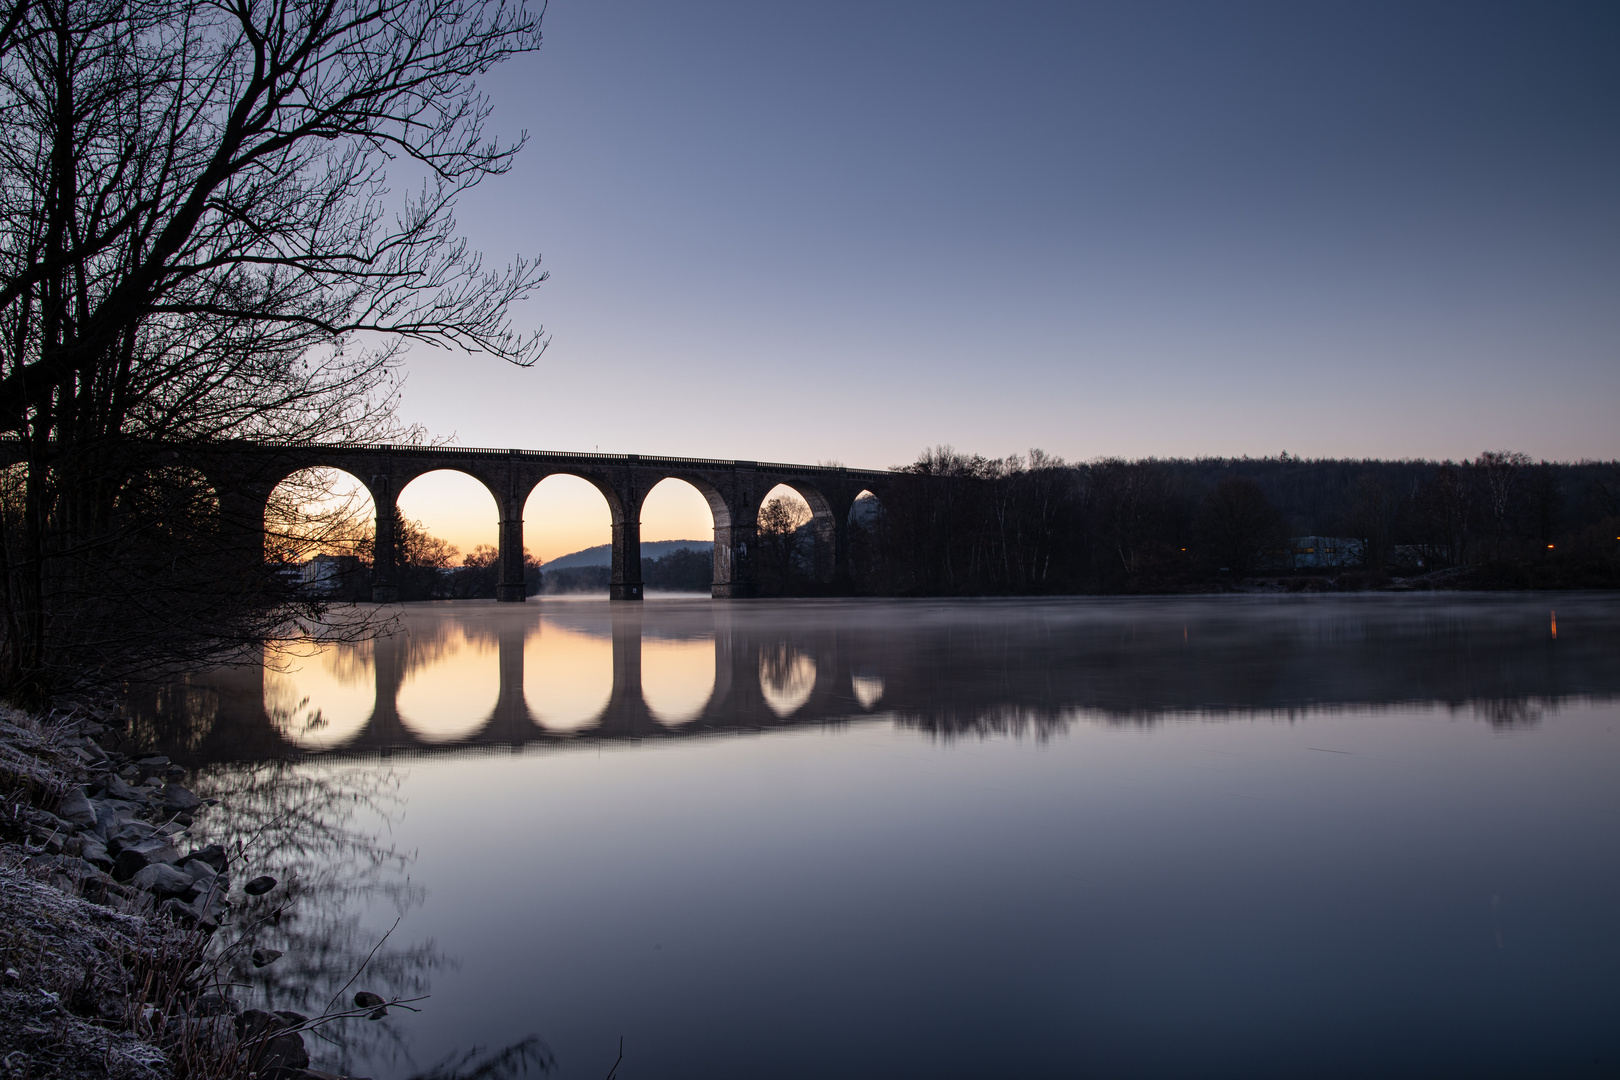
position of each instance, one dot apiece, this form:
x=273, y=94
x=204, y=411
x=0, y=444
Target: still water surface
x=1333, y=836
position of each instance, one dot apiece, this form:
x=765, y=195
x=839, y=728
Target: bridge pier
x=510, y=587
x=842, y=503
x=624, y=580
x=735, y=577
x=385, y=545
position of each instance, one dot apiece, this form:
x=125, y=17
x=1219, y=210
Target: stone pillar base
x=734, y=590
x=630, y=591
x=511, y=594
x=384, y=594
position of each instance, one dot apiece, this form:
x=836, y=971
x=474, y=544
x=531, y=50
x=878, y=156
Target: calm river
x=1212, y=837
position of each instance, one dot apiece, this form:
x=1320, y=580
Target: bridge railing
x=563, y=455
x=547, y=455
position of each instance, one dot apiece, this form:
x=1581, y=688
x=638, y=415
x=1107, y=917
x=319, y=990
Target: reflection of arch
x=677, y=677
x=449, y=699
x=567, y=677
x=319, y=696
x=868, y=689
x=787, y=677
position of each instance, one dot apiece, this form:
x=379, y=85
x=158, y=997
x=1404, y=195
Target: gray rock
x=213, y=855
x=200, y=872
x=130, y=833
x=161, y=879
x=156, y=849
x=178, y=798
x=215, y=1005
x=132, y=858
x=118, y=789
x=77, y=809
x=94, y=852
x=365, y=999
x=284, y=1050
x=111, y=815
x=259, y=885
x=126, y=864
x=203, y=911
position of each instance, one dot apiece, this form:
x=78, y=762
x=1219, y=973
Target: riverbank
x=117, y=950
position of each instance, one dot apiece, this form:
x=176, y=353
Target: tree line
x=965, y=524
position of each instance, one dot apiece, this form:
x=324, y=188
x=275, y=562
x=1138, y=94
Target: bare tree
x=1499, y=476
x=199, y=244
x=1238, y=527
x=781, y=542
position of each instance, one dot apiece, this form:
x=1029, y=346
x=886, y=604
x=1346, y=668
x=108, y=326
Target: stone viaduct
x=245, y=474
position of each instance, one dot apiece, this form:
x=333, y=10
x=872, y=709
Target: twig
x=361, y=969
x=616, y=1062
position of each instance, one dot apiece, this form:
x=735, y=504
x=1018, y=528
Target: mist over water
x=1170, y=837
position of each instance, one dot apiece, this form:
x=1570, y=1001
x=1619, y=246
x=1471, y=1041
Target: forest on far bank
x=966, y=524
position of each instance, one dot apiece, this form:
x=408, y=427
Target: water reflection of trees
x=318, y=832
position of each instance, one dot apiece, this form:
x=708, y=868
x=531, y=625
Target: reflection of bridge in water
x=486, y=675
x=756, y=682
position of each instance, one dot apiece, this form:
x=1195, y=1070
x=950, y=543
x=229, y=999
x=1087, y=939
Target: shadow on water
x=468, y=676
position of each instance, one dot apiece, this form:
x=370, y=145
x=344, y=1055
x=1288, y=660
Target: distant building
x=1312, y=552
x=329, y=573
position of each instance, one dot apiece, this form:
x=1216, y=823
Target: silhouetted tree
x=1368, y=520
x=782, y=543
x=197, y=224
x=1238, y=528
x=1440, y=510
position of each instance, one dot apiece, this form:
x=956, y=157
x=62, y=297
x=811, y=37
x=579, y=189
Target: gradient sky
x=851, y=231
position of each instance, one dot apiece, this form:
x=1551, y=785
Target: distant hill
x=602, y=554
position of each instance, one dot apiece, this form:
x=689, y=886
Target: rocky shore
x=117, y=935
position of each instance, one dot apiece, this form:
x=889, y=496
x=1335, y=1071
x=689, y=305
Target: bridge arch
x=563, y=513
x=684, y=508
x=780, y=553
x=460, y=508
x=321, y=511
